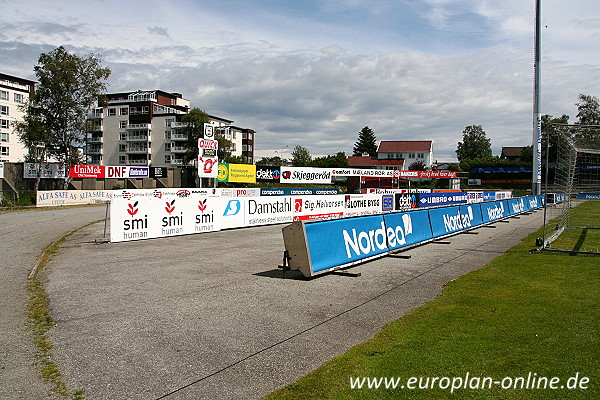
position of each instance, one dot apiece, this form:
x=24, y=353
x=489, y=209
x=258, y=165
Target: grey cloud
x=159, y=31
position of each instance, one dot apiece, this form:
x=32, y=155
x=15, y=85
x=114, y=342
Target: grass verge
x=523, y=313
x=40, y=322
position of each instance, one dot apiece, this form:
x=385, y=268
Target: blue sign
x=494, y=211
x=473, y=211
x=489, y=196
x=337, y=242
x=442, y=199
x=447, y=220
x=387, y=202
x=592, y=196
x=297, y=191
x=138, y=172
x=407, y=228
x=501, y=170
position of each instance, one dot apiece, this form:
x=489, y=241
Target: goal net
x=572, y=177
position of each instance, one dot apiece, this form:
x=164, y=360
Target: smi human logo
x=170, y=207
x=135, y=226
x=173, y=223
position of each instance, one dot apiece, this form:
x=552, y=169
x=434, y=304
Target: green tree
x=236, y=160
x=271, y=161
x=332, y=161
x=475, y=144
x=193, y=127
x=68, y=87
x=366, y=143
x=35, y=136
x=225, y=146
x=417, y=166
x=588, y=110
x=301, y=157
x=551, y=127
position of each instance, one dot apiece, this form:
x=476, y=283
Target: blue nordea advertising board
x=518, y=206
x=442, y=199
x=338, y=242
x=447, y=220
x=407, y=228
x=494, y=211
x=591, y=196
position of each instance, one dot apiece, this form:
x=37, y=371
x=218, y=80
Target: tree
x=367, y=143
x=332, y=161
x=193, y=126
x=225, y=145
x=35, y=136
x=68, y=87
x=236, y=160
x=588, y=110
x=417, y=166
x=551, y=127
x=301, y=157
x=475, y=144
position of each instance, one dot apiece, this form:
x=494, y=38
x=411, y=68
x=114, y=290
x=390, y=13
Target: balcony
x=139, y=127
x=177, y=161
x=94, y=150
x=137, y=161
x=95, y=139
x=178, y=149
x=179, y=124
x=131, y=137
x=137, y=150
x=179, y=136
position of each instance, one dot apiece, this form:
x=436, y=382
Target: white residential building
x=14, y=92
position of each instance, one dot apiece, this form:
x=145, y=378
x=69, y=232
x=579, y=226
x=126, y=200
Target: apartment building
x=14, y=92
x=145, y=128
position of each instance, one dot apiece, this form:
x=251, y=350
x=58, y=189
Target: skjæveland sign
x=108, y=172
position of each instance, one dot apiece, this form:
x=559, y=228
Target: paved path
x=208, y=316
x=23, y=236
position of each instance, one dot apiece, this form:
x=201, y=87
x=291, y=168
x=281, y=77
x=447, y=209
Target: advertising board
x=447, y=220
x=362, y=204
x=86, y=171
x=442, y=199
x=318, y=207
x=241, y=173
x=305, y=175
x=207, y=156
x=407, y=228
x=109, y=172
x=406, y=201
x=590, y=196
x=268, y=174
x=493, y=211
x=298, y=191
x=49, y=171
x=339, y=242
x=148, y=218
x=48, y=198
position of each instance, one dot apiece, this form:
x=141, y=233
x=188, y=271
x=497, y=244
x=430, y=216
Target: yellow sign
x=243, y=173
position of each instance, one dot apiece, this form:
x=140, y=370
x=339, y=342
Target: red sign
x=425, y=174
x=208, y=144
x=86, y=171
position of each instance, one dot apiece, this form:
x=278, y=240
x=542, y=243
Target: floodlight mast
x=537, y=116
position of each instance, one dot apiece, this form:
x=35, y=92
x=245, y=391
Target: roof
x=511, y=151
x=404, y=145
x=364, y=161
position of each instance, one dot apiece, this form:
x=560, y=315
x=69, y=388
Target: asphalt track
x=209, y=316
x=23, y=236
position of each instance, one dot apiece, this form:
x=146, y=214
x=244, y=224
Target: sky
x=314, y=73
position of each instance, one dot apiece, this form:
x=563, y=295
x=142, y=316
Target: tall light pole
x=537, y=116
x=281, y=153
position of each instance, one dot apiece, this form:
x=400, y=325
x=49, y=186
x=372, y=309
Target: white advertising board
x=49, y=171
x=152, y=217
x=46, y=198
x=305, y=175
x=207, y=158
x=318, y=207
x=362, y=204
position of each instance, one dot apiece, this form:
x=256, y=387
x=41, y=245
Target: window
x=168, y=135
x=167, y=159
x=169, y=121
x=3, y=95
x=4, y=123
x=244, y=135
x=112, y=112
x=250, y=136
x=411, y=155
x=420, y=155
x=250, y=147
x=3, y=151
x=3, y=110
x=122, y=159
x=123, y=111
x=168, y=146
x=123, y=124
x=122, y=148
x=122, y=135
x=19, y=98
x=3, y=136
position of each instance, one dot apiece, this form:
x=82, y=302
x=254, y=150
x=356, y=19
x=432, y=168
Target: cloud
x=157, y=30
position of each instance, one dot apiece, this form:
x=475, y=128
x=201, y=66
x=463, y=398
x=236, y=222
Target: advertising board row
x=115, y=172
x=321, y=246
x=206, y=210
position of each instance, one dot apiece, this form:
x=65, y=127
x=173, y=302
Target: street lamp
x=281, y=153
